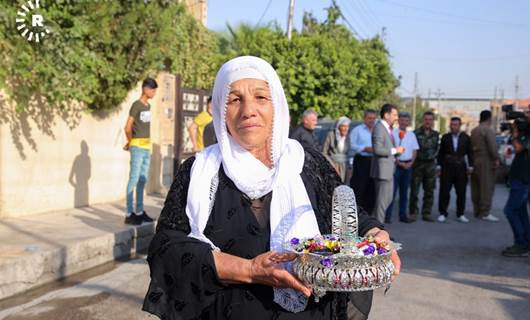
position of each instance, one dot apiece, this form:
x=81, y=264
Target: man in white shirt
x=361, y=147
x=404, y=162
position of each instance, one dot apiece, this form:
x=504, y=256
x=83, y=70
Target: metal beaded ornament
x=343, y=261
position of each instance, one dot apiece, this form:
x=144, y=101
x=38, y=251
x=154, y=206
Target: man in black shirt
x=304, y=132
x=516, y=207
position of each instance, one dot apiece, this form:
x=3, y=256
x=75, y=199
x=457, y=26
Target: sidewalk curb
x=26, y=272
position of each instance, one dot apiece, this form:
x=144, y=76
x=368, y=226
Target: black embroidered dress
x=184, y=282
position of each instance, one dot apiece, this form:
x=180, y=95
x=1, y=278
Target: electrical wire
x=509, y=58
x=360, y=26
x=364, y=16
x=371, y=13
x=459, y=17
x=352, y=28
x=264, y=12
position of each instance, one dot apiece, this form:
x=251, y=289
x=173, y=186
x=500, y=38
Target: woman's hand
x=266, y=269
x=383, y=236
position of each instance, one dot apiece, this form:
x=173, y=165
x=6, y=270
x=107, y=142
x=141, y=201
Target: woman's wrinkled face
x=249, y=113
x=343, y=129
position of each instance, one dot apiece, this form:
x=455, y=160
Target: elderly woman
x=217, y=250
x=337, y=145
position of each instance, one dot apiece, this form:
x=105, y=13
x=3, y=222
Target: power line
x=354, y=30
x=424, y=20
x=465, y=59
x=372, y=13
x=365, y=15
x=358, y=16
x=454, y=16
x=264, y=12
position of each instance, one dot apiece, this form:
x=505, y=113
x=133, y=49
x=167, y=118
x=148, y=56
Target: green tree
x=98, y=50
x=323, y=67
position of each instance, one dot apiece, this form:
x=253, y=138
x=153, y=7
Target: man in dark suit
x=454, y=148
x=383, y=160
x=304, y=133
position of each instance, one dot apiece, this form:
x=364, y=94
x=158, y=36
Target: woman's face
x=343, y=129
x=249, y=113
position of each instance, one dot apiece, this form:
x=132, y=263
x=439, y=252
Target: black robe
x=184, y=282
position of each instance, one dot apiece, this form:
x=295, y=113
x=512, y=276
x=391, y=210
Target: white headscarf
x=340, y=122
x=291, y=213
x=341, y=141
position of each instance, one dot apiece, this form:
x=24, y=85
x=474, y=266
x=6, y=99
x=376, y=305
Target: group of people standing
x=386, y=161
x=399, y=159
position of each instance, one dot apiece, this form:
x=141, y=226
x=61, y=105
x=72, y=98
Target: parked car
x=505, y=150
x=506, y=154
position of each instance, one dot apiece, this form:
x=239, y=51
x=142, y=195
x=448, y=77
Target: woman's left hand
x=383, y=236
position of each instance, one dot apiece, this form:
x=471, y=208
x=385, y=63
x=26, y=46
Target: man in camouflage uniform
x=424, y=169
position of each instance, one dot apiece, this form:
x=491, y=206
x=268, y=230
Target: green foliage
x=98, y=50
x=324, y=67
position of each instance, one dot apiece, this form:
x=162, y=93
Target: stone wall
x=55, y=161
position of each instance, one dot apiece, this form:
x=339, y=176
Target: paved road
x=450, y=271
x=455, y=271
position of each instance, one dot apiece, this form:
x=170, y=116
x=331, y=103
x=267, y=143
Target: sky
x=458, y=48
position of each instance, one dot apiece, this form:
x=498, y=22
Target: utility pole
x=438, y=95
x=414, y=100
x=502, y=101
x=496, y=107
x=516, y=104
x=290, y=16
x=495, y=95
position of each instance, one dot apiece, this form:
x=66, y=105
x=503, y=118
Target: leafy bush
x=324, y=66
x=98, y=50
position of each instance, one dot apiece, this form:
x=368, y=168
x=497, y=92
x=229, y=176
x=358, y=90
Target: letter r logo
x=36, y=20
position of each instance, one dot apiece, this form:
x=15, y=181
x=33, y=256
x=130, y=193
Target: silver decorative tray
x=346, y=262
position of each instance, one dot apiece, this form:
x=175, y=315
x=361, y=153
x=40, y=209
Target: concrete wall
x=66, y=161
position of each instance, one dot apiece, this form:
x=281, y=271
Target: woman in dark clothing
x=215, y=254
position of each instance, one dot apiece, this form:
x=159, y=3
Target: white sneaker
x=441, y=218
x=490, y=218
x=462, y=219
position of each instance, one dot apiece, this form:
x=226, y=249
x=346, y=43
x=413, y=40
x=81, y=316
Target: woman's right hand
x=267, y=269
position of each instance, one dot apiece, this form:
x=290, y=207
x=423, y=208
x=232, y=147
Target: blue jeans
x=140, y=159
x=517, y=212
x=402, y=182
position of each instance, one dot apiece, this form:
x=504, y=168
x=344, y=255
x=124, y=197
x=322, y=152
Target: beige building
x=468, y=109
x=198, y=9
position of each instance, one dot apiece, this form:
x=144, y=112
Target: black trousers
x=453, y=175
x=362, y=184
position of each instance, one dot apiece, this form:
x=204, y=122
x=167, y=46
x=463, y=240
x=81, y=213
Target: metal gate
x=189, y=103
